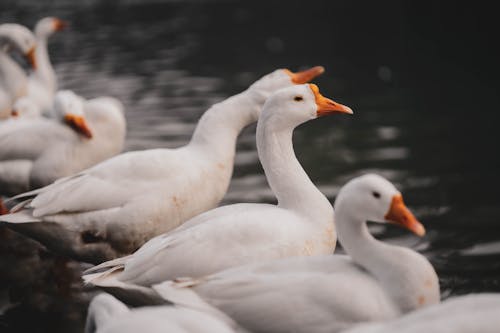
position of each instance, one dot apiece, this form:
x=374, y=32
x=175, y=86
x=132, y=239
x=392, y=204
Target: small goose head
x=294, y=105
x=374, y=198
x=69, y=107
x=282, y=78
x=48, y=25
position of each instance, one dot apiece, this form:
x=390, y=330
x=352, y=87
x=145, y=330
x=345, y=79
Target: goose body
x=300, y=225
x=106, y=314
x=13, y=79
x=36, y=152
x=124, y=201
x=474, y=313
x=329, y=293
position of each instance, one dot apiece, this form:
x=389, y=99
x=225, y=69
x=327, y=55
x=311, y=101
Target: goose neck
x=219, y=127
x=358, y=242
x=3, y=62
x=45, y=71
x=6, y=64
x=405, y=275
x=12, y=76
x=286, y=177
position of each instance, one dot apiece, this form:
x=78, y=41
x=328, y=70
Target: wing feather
x=110, y=184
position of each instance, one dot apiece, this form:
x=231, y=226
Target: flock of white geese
x=172, y=259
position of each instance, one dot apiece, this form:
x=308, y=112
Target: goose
x=42, y=83
x=106, y=314
x=301, y=224
x=113, y=208
x=375, y=281
x=13, y=79
x=473, y=313
x=36, y=152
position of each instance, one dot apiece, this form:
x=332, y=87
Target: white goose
x=300, y=225
x=106, y=314
x=116, y=206
x=476, y=313
x=13, y=79
x=37, y=152
x=42, y=83
x=332, y=292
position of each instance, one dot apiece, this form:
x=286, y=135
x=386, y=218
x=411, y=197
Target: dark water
x=420, y=76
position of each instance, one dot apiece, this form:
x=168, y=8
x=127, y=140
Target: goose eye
x=298, y=98
x=376, y=195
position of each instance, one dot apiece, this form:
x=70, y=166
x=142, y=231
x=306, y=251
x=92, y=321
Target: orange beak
x=59, y=24
x=305, y=76
x=79, y=124
x=30, y=56
x=325, y=105
x=400, y=214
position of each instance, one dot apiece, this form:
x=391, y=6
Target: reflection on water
x=414, y=88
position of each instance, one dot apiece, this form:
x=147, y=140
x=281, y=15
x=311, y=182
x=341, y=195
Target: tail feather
x=100, y=278
x=26, y=195
x=32, y=194
x=23, y=216
x=108, y=264
x=20, y=205
x=129, y=293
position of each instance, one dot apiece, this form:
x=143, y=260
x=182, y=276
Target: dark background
x=421, y=76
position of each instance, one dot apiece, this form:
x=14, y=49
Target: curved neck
x=218, y=128
x=44, y=72
x=12, y=76
x=357, y=241
x=287, y=179
x=405, y=275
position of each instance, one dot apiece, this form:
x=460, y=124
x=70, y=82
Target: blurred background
x=421, y=77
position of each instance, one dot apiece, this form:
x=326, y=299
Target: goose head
x=20, y=39
x=373, y=198
x=282, y=78
x=289, y=107
x=48, y=25
x=25, y=108
x=69, y=107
